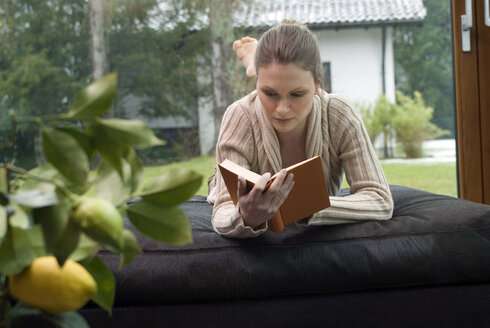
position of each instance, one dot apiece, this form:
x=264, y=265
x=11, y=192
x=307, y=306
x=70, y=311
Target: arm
x=254, y=208
x=370, y=197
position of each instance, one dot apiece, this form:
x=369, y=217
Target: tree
x=221, y=39
x=45, y=58
x=423, y=58
x=48, y=58
x=97, y=38
x=155, y=52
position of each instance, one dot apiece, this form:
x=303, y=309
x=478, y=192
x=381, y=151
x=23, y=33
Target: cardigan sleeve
x=370, y=197
x=235, y=143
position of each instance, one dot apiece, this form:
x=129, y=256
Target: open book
x=309, y=194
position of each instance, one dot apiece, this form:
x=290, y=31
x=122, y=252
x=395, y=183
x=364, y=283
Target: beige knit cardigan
x=335, y=132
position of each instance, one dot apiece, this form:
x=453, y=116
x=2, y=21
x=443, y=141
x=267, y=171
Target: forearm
x=228, y=222
x=369, y=204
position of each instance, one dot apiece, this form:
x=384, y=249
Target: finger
x=289, y=179
x=242, y=186
x=262, y=182
x=289, y=186
x=278, y=181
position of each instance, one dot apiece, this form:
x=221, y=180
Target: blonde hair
x=290, y=42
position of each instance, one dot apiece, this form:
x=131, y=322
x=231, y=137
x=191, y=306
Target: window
x=327, y=81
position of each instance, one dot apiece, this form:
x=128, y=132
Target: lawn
x=439, y=178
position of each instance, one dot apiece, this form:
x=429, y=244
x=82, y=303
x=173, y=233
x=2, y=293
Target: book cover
x=309, y=194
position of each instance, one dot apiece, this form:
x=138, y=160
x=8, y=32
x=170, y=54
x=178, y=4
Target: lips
x=283, y=120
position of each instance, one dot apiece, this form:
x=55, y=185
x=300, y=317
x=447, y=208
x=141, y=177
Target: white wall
x=355, y=56
x=132, y=105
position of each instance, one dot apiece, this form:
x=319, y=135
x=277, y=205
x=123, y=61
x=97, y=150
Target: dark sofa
x=429, y=266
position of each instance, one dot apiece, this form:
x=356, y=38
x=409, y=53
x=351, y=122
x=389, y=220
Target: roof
x=332, y=13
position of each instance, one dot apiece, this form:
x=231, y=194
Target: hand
x=258, y=206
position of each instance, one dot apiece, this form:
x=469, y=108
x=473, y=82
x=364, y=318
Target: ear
x=317, y=87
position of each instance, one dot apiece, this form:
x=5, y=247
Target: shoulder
x=340, y=109
x=240, y=110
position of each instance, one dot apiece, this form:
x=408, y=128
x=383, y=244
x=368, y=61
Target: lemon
x=53, y=289
x=100, y=220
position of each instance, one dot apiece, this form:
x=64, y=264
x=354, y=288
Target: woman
x=287, y=119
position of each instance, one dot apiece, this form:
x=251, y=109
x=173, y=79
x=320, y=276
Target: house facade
x=355, y=39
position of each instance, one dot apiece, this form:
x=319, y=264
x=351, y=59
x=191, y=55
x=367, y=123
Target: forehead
x=284, y=76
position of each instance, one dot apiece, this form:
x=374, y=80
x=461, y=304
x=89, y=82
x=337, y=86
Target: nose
x=282, y=107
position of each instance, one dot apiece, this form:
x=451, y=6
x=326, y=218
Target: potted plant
x=55, y=217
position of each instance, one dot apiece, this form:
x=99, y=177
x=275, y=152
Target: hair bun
x=291, y=21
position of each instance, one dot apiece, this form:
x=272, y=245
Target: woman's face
x=286, y=92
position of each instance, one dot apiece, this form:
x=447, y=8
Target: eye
x=270, y=93
x=297, y=94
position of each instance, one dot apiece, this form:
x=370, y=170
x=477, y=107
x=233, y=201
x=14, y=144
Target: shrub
x=412, y=125
x=378, y=120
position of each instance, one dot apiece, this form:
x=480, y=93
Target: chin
x=282, y=128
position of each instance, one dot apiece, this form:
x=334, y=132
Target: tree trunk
x=221, y=36
x=97, y=38
x=98, y=44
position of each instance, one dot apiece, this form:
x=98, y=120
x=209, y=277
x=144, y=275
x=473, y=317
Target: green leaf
x=48, y=171
x=114, y=188
x=83, y=140
x=35, y=198
x=95, y=99
x=160, y=222
x=137, y=171
x=130, y=248
x=172, y=188
x=134, y=133
x=111, y=150
x=4, y=199
x=64, y=152
x=86, y=248
x=36, y=238
x=16, y=251
x=67, y=320
x=106, y=284
x=61, y=235
x=3, y=222
x=15, y=315
x=19, y=218
x=110, y=186
x=3, y=180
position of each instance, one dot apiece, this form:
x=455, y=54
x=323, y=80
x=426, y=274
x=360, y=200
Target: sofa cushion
x=431, y=240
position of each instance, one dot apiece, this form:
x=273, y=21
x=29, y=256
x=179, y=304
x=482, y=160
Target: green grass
x=203, y=164
x=439, y=178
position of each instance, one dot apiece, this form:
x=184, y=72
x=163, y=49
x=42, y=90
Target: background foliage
x=158, y=46
x=407, y=122
x=51, y=209
x=47, y=59
x=423, y=61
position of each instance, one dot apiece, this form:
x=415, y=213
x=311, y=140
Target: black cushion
x=431, y=240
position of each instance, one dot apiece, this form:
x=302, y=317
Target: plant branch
x=13, y=137
x=43, y=118
x=15, y=169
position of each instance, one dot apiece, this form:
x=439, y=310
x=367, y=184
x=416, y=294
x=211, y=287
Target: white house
x=355, y=38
